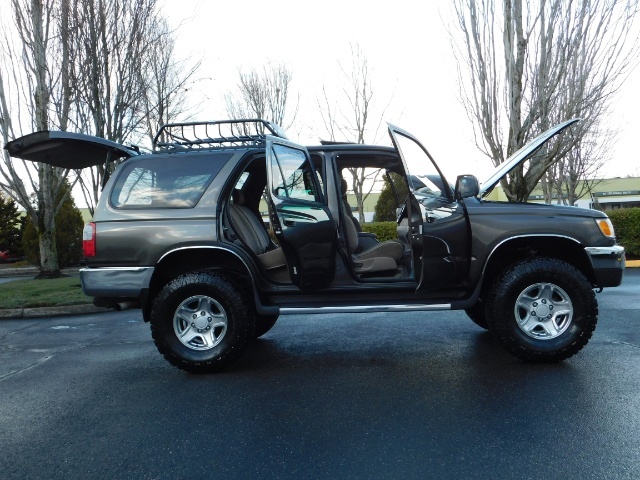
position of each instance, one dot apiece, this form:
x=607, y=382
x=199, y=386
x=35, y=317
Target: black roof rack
x=214, y=134
x=334, y=142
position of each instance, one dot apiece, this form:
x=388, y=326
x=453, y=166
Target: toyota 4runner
x=227, y=225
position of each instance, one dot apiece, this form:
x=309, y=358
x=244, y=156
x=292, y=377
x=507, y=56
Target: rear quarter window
x=174, y=181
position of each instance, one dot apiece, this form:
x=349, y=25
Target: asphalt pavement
x=375, y=396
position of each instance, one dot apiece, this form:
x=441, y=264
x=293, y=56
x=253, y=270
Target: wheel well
x=517, y=249
x=189, y=260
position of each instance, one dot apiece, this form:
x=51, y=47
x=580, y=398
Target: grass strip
x=42, y=293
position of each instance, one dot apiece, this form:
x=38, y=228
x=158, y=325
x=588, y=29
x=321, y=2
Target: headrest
x=344, y=185
x=237, y=196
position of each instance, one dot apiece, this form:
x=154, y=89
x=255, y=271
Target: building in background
x=607, y=194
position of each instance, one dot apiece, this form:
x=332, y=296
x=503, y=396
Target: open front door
x=439, y=230
x=300, y=219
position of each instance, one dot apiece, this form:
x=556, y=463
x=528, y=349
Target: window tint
x=292, y=174
x=176, y=182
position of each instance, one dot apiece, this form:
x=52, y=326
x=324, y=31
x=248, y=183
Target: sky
x=410, y=60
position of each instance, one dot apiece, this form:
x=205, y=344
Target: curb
x=29, y=271
x=49, y=312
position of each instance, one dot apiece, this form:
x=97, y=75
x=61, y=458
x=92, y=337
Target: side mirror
x=466, y=186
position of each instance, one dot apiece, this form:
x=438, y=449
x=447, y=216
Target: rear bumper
x=118, y=282
x=608, y=264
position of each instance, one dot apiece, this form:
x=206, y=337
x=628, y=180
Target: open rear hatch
x=67, y=150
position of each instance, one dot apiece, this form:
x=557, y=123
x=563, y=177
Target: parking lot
x=363, y=396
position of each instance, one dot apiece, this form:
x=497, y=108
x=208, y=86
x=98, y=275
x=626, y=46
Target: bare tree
x=29, y=68
x=578, y=172
x=355, y=123
x=167, y=79
x=81, y=66
x=524, y=66
x=126, y=77
x=264, y=94
x=113, y=40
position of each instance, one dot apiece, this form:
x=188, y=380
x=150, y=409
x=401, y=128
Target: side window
x=241, y=180
x=169, y=182
x=238, y=187
x=424, y=177
x=429, y=187
x=293, y=176
x=137, y=188
x=319, y=173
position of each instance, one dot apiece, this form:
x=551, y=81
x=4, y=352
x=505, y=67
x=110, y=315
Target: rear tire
x=200, y=323
x=542, y=310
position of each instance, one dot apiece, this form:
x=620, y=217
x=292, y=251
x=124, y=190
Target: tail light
x=89, y=240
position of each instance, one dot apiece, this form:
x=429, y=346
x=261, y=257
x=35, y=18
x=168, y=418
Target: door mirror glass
x=467, y=186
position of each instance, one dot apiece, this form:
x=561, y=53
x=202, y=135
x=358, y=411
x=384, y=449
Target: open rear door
x=301, y=221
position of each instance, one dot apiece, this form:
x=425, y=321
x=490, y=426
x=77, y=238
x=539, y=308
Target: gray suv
x=226, y=225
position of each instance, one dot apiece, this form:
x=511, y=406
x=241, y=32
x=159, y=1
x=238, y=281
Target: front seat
x=251, y=231
x=381, y=257
x=366, y=240
x=346, y=207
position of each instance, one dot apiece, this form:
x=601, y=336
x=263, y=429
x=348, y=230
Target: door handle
x=289, y=223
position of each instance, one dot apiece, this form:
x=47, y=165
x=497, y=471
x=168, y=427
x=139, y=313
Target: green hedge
x=383, y=230
x=626, y=222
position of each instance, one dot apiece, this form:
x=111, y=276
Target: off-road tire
x=515, y=307
x=203, y=297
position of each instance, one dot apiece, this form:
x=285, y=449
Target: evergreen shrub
x=69, y=225
x=383, y=230
x=626, y=222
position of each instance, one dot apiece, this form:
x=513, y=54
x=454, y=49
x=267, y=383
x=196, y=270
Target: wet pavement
x=373, y=396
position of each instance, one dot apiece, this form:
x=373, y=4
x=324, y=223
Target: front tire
x=542, y=310
x=200, y=323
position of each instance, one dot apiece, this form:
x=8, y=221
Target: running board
x=365, y=309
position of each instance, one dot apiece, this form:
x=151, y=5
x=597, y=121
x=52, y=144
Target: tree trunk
x=48, y=254
x=46, y=173
x=47, y=222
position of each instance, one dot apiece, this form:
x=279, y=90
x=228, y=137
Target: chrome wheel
x=200, y=322
x=543, y=311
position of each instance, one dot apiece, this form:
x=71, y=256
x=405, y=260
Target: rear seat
x=251, y=231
